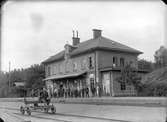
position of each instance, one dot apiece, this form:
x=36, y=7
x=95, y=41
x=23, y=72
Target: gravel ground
x=114, y=112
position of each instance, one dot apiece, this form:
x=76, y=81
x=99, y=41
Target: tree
x=160, y=57
x=145, y=65
x=3, y=84
x=131, y=77
x=34, y=76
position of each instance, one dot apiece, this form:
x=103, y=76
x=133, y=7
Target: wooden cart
x=36, y=104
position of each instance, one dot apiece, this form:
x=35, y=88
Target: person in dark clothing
x=69, y=92
x=87, y=92
x=82, y=92
x=44, y=97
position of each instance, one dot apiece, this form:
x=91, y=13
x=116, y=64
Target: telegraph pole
x=9, y=75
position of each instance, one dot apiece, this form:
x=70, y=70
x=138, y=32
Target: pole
x=9, y=75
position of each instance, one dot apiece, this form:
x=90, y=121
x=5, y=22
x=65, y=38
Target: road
x=85, y=113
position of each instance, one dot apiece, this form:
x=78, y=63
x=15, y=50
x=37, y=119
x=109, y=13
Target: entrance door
x=106, y=83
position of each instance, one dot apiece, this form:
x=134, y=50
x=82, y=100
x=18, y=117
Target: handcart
x=41, y=103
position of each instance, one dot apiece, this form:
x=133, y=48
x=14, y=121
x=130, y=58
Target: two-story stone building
x=95, y=63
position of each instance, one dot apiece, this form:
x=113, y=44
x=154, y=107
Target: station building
x=94, y=63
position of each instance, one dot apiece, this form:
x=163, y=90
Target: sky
x=34, y=31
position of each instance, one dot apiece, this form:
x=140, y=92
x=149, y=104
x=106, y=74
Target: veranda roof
x=71, y=75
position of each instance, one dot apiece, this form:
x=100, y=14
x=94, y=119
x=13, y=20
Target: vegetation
x=131, y=77
x=155, y=83
x=145, y=65
x=161, y=57
x=32, y=77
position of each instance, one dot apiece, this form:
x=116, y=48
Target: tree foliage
x=145, y=65
x=32, y=77
x=131, y=77
x=160, y=57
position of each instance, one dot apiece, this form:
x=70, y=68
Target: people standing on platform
x=55, y=92
x=87, y=92
x=72, y=91
x=75, y=92
x=83, y=91
x=78, y=91
x=100, y=91
x=65, y=91
x=97, y=90
x=69, y=92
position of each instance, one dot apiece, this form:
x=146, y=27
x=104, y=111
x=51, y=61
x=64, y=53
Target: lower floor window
x=123, y=85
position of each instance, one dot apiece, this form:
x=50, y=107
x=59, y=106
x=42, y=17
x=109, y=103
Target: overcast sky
x=33, y=31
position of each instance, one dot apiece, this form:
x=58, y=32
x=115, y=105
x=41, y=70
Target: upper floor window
x=54, y=69
x=49, y=70
x=115, y=61
x=62, y=68
x=131, y=63
x=75, y=66
x=122, y=62
x=83, y=64
x=90, y=62
x=68, y=66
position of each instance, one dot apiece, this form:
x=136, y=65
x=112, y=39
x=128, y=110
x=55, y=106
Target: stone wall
x=71, y=65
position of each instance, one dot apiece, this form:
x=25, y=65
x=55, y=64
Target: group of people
x=45, y=94
x=75, y=92
x=71, y=92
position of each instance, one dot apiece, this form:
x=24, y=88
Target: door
x=106, y=83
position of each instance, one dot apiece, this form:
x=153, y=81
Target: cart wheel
x=53, y=109
x=28, y=111
x=22, y=110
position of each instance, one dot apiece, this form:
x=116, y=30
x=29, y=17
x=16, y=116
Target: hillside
x=158, y=76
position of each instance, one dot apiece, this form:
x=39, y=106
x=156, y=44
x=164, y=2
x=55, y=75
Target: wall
x=106, y=58
x=71, y=65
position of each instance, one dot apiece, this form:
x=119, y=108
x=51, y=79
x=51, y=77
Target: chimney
x=96, y=33
x=76, y=40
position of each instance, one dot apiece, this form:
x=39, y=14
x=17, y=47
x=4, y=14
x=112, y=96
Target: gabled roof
x=92, y=44
x=58, y=56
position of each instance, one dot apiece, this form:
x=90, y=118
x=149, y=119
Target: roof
x=118, y=68
x=58, y=56
x=92, y=44
x=72, y=75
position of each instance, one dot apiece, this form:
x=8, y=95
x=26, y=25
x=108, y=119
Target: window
x=54, y=69
x=61, y=68
x=114, y=61
x=68, y=66
x=131, y=63
x=123, y=85
x=49, y=72
x=74, y=66
x=90, y=62
x=122, y=62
